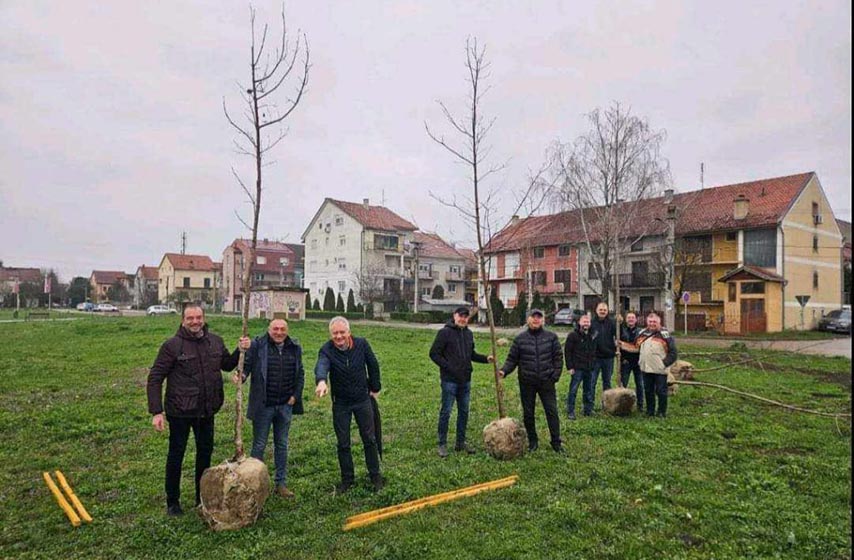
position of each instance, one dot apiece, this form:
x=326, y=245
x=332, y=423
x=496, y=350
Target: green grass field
x=721, y=477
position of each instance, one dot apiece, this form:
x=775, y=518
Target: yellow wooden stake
x=69, y=511
x=370, y=517
x=84, y=515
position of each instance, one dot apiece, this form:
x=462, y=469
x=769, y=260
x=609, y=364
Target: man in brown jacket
x=191, y=362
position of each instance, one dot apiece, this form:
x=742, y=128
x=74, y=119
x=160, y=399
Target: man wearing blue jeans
x=453, y=351
x=604, y=332
x=274, y=362
x=580, y=354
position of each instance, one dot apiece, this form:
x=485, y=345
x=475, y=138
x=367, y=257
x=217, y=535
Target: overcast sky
x=113, y=141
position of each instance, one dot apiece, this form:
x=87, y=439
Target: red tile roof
x=703, y=211
x=434, y=246
x=760, y=273
x=148, y=272
x=107, y=276
x=21, y=274
x=190, y=262
x=374, y=217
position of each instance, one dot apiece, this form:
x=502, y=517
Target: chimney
x=741, y=207
x=514, y=220
x=668, y=196
x=365, y=202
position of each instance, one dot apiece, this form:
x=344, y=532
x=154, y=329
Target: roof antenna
x=702, y=172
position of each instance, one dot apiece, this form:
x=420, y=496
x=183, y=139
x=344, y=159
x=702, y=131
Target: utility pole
x=416, y=271
x=669, y=304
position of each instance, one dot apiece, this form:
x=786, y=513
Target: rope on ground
x=763, y=399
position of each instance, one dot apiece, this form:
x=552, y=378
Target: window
x=538, y=277
x=564, y=277
x=593, y=270
x=207, y=282
x=339, y=220
x=700, y=245
x=312, y=266
x=731, y=287
x=386, y=242
x=752, y=288
x=186, y=281
x=455, y=269
x=815, y=280
x=261, y=260
x=539, y=252
x=342, y=241
x=392, y=262
x=760, y=247
x=314, y=243
x=699, y=282
x=452, y=288
x=732, y=236
x=259, y=276
x=637, y=245
x=815, y=244
x=426, y=292
x=284, y=261
x=563, y=250
x=342, y=285
x=816, y=213
x=342, y=263
x=320, y=225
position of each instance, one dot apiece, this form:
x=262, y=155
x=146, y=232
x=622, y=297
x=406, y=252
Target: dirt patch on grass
x=691, y=540
x=843, y=379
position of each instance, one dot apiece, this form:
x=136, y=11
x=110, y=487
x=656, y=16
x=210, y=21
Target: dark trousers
x=548, y=396
x=179, y=433
x=655, y=385
x=341, y=415
x=461, y=394
x=606, y=366
x=585, y=379
x=627, y=368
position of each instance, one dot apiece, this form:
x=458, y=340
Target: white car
x=160, y=310
x=106, y=308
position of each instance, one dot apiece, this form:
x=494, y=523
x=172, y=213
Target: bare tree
x=370, y=284
x=471, y=148
x=601, y=175
x=277, y=83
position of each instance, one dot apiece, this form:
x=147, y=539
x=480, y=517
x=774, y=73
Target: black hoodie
x=453, y=351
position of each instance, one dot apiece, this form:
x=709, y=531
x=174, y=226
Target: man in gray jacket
x=538, y=355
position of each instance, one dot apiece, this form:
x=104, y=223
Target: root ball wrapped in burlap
x=682, y=370
x=233, y=494
x=505, y=438
x=619, y=401
x=502, y=342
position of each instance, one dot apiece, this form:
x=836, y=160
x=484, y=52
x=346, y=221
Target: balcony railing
x=454, y=276
x=641, y=280
x=425, y=274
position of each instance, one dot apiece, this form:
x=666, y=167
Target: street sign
x=686, y=297
x=802, y=300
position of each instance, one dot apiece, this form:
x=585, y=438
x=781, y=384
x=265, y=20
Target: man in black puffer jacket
x=538, y=354
x=453, y=351
x=191, y=362
x=351, y=367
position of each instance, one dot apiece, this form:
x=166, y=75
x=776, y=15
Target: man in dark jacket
x=274, y=362
x=629, y=359
x=538, y=354
x=350, y=366
x=453, y=351
x=580, y=354
x=191, y=362
x=604, y=331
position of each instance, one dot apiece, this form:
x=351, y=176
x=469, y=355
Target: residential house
x=111, y=285
x=187, y=278
x=145, y=286
x=360, y=247
x=276, y=264
x=845, y=229
x=439, y=265
x=11, y=276
x=472, y=274
x=535, y=254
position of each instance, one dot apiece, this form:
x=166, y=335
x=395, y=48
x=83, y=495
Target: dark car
x=567, y=316
x=838, y=320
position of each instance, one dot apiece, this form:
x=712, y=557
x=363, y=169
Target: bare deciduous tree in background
x=369, y=284
x=277, y=83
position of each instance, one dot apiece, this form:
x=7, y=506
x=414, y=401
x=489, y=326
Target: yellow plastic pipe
x=84, y=515
x=370, y=517
x=69, y=511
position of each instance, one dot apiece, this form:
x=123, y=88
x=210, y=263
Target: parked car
x=106, y=308
x=86, y=306
x=838, y=320
x=160, y=310
x=567, y=316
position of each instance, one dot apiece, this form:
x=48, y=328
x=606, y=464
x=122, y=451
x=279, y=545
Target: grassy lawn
x=782, y=335
x=720, y=477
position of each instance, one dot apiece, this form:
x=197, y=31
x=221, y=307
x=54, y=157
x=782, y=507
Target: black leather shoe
x=378, y=482
x=343, y=486
x=558, y=448
x=533, y=446
x=174, y=510
x=465, y=447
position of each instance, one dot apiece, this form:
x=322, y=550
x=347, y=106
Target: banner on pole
x=47, y=284
x=15, y=287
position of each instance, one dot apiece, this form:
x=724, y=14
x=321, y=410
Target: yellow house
x=186, y=278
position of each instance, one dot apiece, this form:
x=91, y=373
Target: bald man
x=274, y=362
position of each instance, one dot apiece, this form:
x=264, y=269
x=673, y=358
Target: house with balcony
x=184, y=279
x=471, y=274
x=111, y=285
x=439, y=265
x=277, y=265
x=363, y=247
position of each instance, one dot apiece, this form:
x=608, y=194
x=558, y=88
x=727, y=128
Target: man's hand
x=244, y=343
x=501, y=374
x=490, y=359
x=158, y=422
x=235, y=378
x=572, y=372
x=374, y=395
x=321, y=389
x=292, y=401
